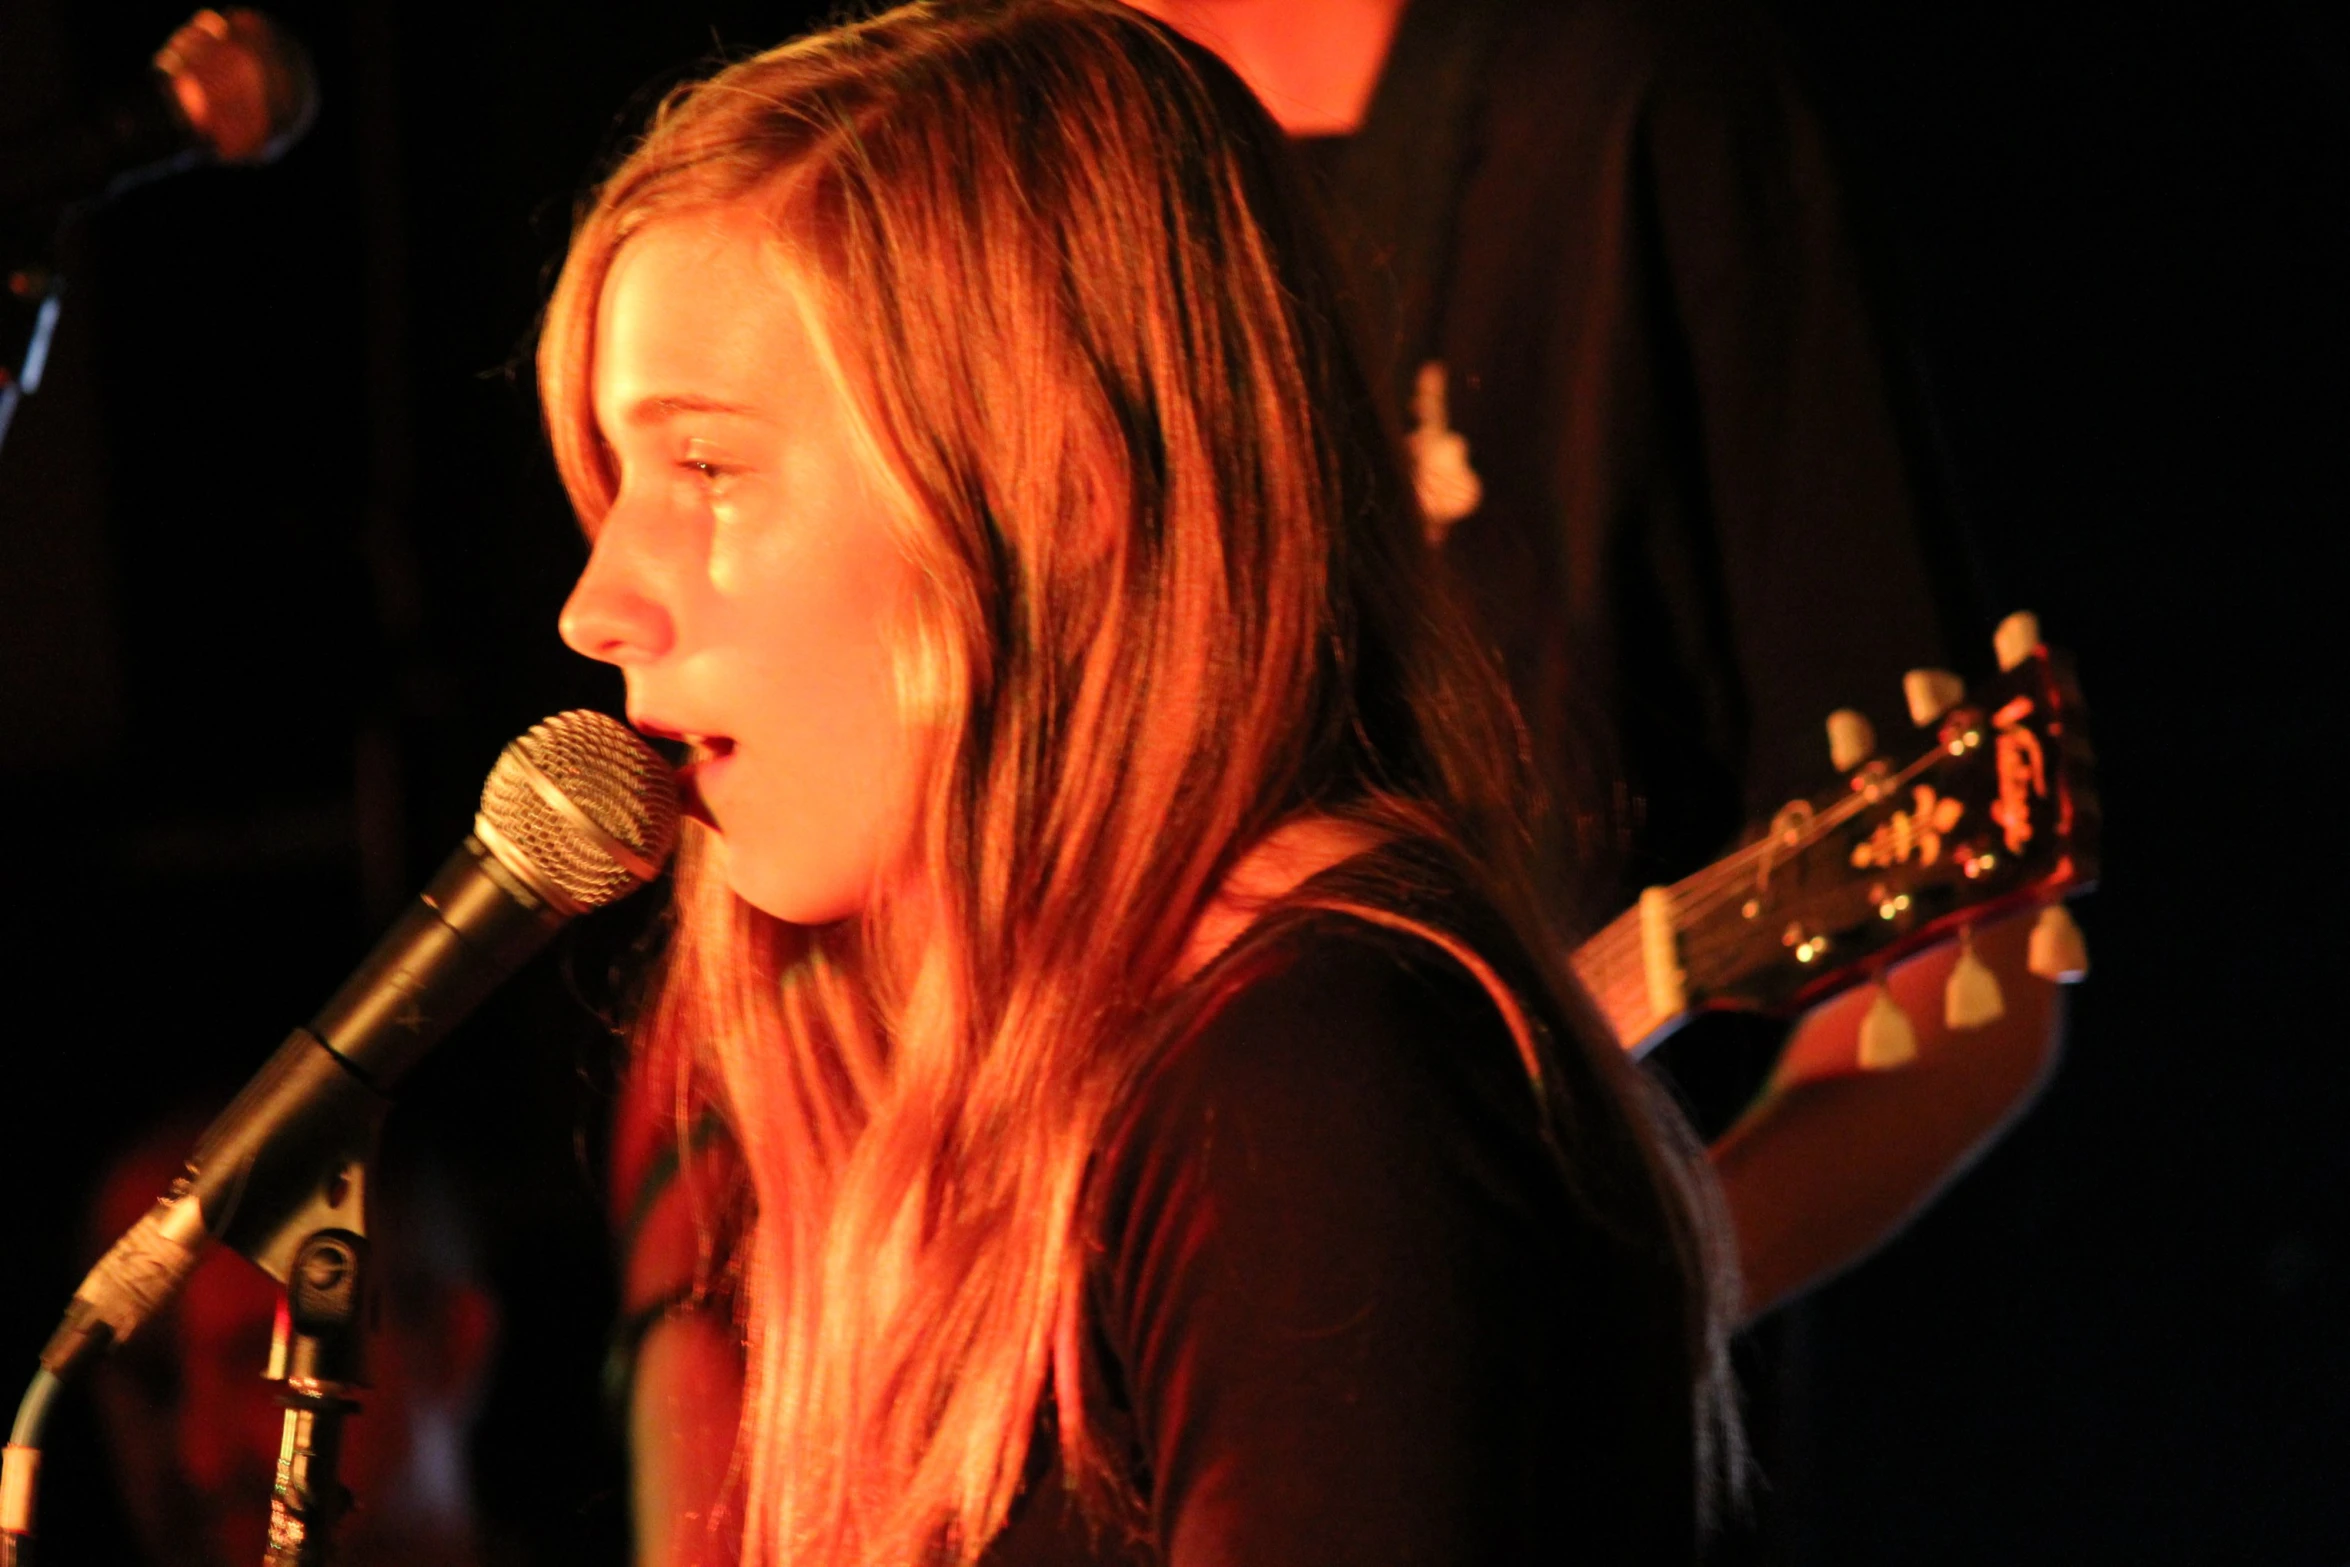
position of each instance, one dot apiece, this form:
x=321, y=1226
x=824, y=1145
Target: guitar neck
x=1614, y=967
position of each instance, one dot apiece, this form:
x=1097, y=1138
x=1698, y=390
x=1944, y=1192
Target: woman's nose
x=611, y=614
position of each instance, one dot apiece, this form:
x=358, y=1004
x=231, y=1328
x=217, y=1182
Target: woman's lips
x=707, y=760
x=704, y=757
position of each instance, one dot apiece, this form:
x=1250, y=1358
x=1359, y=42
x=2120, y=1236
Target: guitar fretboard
x=1613, y=967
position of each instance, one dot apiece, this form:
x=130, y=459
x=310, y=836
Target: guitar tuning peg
x=1931, y=693
x=2057, y=951
x=1971, y=998
x=1852, y=739
x=1886, y=1038
x=2017, y=639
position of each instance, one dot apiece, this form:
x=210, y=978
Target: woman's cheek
x=743, y=545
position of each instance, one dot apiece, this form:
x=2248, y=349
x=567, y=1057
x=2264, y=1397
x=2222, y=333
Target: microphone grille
x=589, y=806
x=246, y=86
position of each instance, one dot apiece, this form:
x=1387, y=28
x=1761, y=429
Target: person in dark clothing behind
x=1601, y=261
x=1108, y=941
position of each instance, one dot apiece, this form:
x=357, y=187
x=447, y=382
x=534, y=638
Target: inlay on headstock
x=1996, y=814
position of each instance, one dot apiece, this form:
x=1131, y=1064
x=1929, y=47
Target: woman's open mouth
x=706, y=757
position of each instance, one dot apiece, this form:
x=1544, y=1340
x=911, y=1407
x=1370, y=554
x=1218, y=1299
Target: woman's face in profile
x=747, y=576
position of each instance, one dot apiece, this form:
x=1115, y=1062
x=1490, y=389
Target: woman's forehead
x=699, y=309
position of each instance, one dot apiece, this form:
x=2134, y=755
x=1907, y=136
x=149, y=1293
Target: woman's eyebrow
x=654, y=410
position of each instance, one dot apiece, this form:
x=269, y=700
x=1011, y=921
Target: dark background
x=280, y=553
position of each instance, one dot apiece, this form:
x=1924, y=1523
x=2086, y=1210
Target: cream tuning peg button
x=2057, y=950
x=1931, y=693
x=2017, y=638
x=1971, y=996
x=1852, y=739
x=1887, y=1039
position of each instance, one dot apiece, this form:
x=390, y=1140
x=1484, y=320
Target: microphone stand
x=316, y=1361
x=316, y=1358
x=287, y=1166
x=40, y=289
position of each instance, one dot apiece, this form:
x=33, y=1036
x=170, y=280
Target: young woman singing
x=1107, y=947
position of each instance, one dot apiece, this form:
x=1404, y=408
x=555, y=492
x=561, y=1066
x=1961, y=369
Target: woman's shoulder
x=1342, y=954
x=1347, y=993
x=1340, y=1047
x=1339, y=1254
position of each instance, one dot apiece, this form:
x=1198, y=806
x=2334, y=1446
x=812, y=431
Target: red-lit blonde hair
x=1174, y=594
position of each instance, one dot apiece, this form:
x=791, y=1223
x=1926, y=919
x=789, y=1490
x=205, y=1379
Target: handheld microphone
x=228, y=87
x=577, y=813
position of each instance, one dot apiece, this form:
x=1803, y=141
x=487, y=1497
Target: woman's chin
x=795, y=900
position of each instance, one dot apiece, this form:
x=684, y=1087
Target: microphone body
x=286, y=1155
x=289, y=1156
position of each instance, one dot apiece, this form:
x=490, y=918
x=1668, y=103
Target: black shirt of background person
x=1705, y=520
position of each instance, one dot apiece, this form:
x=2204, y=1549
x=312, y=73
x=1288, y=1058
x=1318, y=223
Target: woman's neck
x=1312, y=63
x=1291, y=854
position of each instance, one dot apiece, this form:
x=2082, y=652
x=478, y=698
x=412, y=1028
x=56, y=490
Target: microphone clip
x=316, y=1362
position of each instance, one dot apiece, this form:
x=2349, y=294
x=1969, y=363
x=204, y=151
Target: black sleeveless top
x=1348, y=1307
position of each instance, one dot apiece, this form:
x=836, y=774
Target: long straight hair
x=1173, y=592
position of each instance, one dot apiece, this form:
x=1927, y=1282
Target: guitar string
x=1710, y=888
x=1613, y=955
x=1703, y=950
x=1614, y=949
